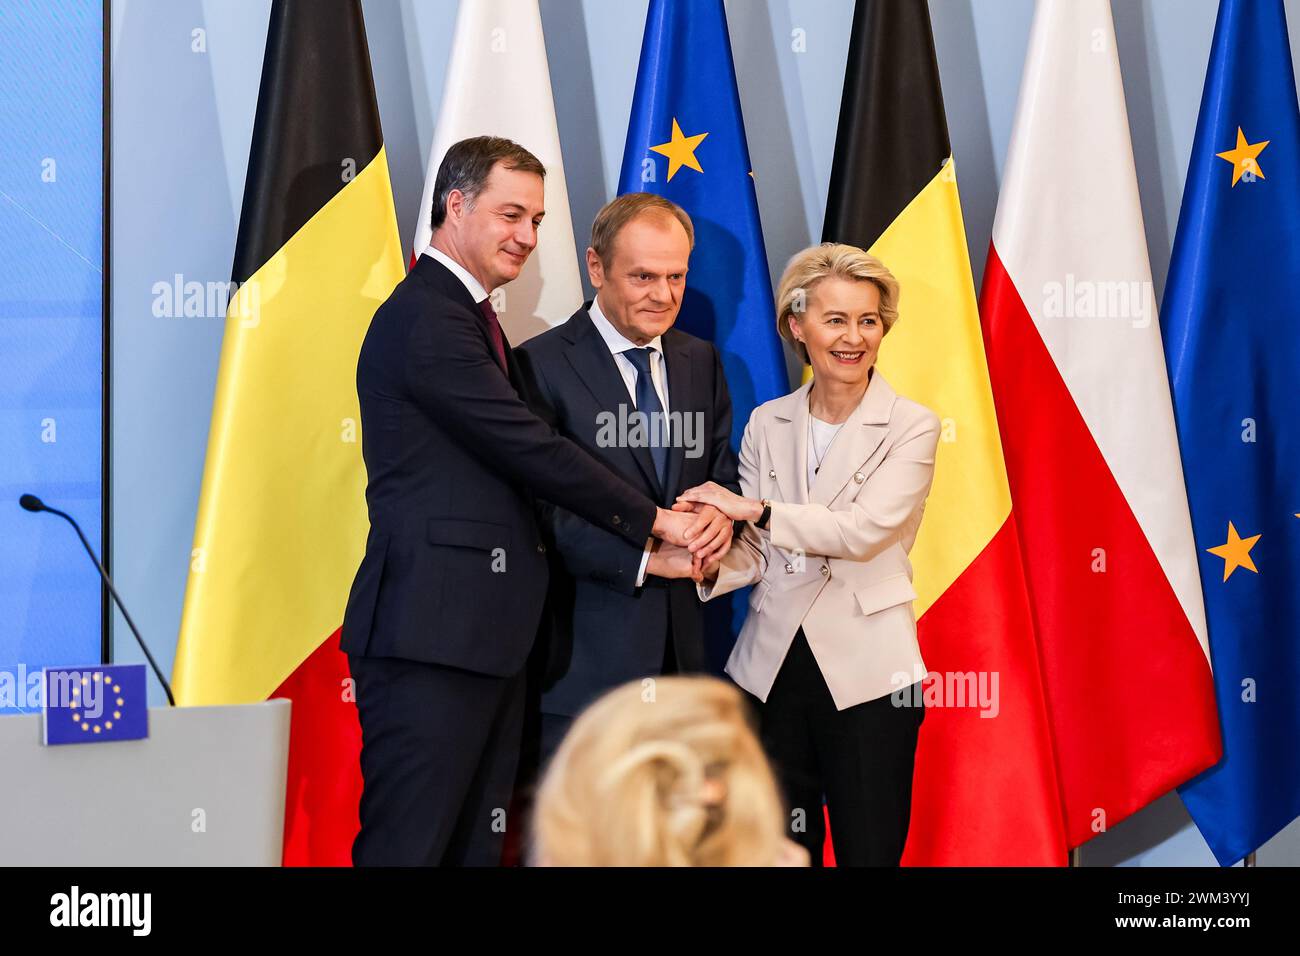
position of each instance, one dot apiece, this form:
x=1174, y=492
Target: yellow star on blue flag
x=1235, y=552
x=680, y=151
x=1244, y=158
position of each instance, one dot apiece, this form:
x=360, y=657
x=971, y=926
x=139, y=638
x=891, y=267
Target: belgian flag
x=282, y=518
x=985, y=790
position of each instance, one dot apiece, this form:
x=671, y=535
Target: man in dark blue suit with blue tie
x=652, y=403
x=445, y=607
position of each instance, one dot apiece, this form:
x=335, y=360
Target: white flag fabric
x=499, y=84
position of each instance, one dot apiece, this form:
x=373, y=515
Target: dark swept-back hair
x=468, y=164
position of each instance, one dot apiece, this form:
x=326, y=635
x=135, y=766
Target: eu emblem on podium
x=95, y=704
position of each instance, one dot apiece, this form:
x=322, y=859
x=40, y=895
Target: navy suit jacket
x=455, y=570
x=603, y=629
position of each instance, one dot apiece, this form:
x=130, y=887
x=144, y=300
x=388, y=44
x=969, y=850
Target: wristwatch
x=767, y=513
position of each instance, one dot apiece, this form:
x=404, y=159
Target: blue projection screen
x=51, y=334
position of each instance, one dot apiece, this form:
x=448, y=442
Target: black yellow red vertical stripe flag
x=282, y=517
x=985, y=788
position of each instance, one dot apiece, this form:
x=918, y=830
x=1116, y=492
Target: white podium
x=206, y=788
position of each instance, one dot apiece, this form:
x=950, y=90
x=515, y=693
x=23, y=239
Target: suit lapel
x=432, y=272
x=856, y=442
x=681, y=402
x=596, y=368
x=787, y=446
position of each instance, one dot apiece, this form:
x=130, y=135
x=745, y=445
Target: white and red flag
x=1083, y=404
x=498, y=84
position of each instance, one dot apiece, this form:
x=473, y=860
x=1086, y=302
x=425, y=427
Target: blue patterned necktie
x=647, y=402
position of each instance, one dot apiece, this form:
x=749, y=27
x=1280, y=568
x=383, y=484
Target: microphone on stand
x=34, y=504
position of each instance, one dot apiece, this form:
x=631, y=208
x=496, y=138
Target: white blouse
x=820, y=436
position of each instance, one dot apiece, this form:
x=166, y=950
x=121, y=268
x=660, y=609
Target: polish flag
x=498, y=84
x=1074, y=350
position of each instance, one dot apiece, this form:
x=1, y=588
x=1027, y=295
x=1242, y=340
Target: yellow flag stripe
x=282, y=518
x=935, y=355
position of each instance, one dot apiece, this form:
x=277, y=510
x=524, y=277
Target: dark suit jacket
x=455, y=571
x=604, y=630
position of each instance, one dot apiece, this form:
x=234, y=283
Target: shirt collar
x=460, y=272
x=615, y=340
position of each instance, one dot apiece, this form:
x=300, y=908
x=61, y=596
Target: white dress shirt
x=618, y=343
x=460, y=272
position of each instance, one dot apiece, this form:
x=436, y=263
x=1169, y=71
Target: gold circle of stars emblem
x=103, y=722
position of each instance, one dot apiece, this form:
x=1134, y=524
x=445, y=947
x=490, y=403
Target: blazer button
x=617, y=520
x=771, y=474
x=825, y=570
x=859, y=477
x=789, y=569
x=541, y=549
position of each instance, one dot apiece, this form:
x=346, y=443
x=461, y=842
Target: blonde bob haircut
x=667, y=773
x=826, y=261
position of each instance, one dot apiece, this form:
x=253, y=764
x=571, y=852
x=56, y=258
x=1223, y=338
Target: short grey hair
x=617, y=213
x=469, y=163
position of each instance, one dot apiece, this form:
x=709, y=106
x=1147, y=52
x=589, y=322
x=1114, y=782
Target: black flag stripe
x=302, y=154
x=893, y=133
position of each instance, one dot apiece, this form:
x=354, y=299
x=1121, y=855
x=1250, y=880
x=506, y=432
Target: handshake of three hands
x=696, y=533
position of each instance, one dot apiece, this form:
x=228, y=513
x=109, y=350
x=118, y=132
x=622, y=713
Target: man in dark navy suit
x=445, y=606
x=622, y=611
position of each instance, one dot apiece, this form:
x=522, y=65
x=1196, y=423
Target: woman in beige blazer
x=834, y=479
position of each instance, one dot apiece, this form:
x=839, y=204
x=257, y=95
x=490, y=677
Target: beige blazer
x=834, y=556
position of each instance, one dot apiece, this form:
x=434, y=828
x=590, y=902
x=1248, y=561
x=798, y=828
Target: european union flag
x=1232, y=341
x=686, y=142
x=92, y=704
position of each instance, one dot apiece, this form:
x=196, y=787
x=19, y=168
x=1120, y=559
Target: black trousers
x=439, y=750
x=860, y=759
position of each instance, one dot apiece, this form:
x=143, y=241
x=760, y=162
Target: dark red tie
x=494, y=329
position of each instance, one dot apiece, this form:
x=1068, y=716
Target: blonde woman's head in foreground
x=662, y=773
